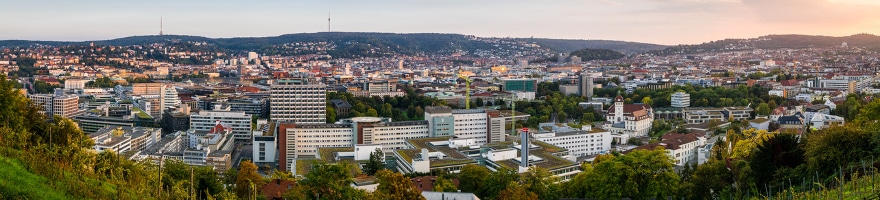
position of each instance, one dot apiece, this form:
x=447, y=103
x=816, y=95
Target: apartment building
x=298, y=100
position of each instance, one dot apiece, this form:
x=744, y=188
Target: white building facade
x=239, y=121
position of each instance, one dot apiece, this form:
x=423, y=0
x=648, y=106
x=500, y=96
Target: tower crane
x=467, y=91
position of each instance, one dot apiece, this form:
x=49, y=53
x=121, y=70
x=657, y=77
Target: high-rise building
x=298, y=100
x=400, y=64
x=680, y=100
x=252, y=56
x=238, y=121
x=75, y=84
x=586, y=85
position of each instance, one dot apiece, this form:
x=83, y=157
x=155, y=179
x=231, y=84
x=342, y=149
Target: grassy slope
x=16, y=182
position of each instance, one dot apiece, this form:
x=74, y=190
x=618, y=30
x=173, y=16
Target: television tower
x=328, y=21
x=160, y=26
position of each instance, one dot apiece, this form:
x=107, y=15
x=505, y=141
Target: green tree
x=376, y=162
x=480, y=102
x=393, y=185
x=330, y=181
x=647, y=100
x=331, y=114
x=496, y=182
x=836, y=146
x=763, y=109
x=372, y=113
x=541, y=182
x=444, y=185
x=638, y=174
x=472, y=177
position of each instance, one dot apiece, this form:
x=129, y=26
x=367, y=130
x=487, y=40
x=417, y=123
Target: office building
x=586, y=142
x=65, y=105
x=122, y=139
x=299, y=101
x=239, y=122
x=680, y=100
x=303, y=140
x=629, y=120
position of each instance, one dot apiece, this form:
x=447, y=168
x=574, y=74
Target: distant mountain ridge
x=868, y=41
x=408, y=43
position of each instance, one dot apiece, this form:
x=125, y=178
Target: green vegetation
x=404, y=108
x=773, y=42
x=597, y=54
x=103, y=82
x=701, y=96
x=16, y=182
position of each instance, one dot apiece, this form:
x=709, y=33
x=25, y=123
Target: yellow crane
x=467, y=90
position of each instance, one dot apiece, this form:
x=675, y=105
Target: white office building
x=239, y=122
x=299, y=101
x=586, y=142
x=680, y=100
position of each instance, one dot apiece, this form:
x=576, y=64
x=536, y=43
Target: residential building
x=239, y=122
x=265, y=145
x=298, y=100
x=680, y=100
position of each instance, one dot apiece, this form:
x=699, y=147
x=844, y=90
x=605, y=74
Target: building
x=265, y=145
x=303, y=140
x=463, y=123
x=683, y=148
x=121, y=139
x=586, y=142
x=211, y=147
x=586, y=85
x=703, y=115
x=680, y=100
x=525, y=85
x=471, y=123
x=628, y=120
x=239, y=122
x=497, y=126
x=72, y=84
x=379, y=86
x=342, y=107
x=254, y=107
x=299, y=101
x=174, y=120
x=65, y=105
x=147, y=88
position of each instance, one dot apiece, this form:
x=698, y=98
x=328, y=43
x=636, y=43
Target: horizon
x=155, y=35
x=664, y=22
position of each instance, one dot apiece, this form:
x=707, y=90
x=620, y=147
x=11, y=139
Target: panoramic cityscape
x=329, y=102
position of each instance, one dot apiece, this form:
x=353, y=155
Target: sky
x=667, y=22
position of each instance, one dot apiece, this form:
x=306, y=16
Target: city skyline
x=665, y=22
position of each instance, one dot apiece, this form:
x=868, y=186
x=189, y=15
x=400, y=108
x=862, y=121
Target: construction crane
x=467, y=90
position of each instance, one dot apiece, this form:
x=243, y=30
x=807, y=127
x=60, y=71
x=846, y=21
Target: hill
x=597, y=54
x=567, y=45
x=16, y=182
x=348, y=43
x=867, y=41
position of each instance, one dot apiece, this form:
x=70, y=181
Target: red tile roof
x=276, y=188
